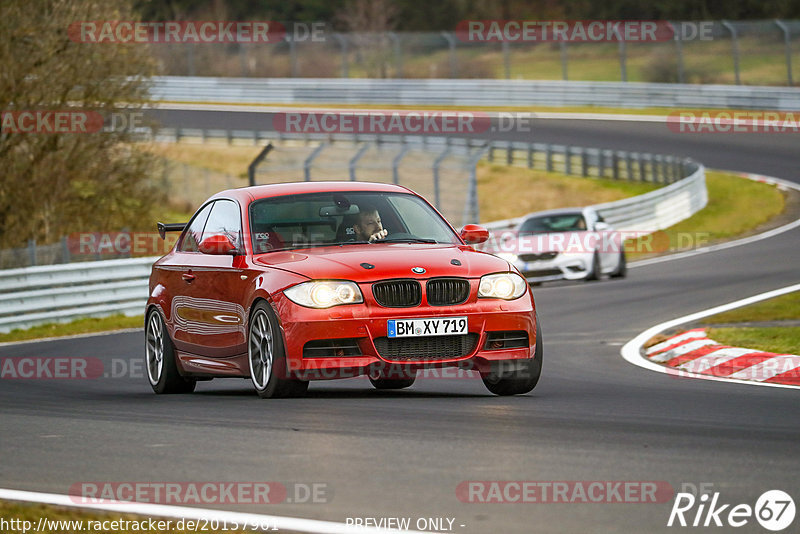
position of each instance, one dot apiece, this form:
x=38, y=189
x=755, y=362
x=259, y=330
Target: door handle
x=188, y=277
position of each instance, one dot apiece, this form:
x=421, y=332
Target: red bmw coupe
x=293, y=282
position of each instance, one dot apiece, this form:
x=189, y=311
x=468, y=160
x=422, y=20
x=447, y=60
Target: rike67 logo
x=774, y=510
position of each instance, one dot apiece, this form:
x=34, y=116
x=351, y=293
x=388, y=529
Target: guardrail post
x=622, y=57
x=548, y=157
x=530, y=155
x=679, y=51
x=735, y=47
x=567, y=160
x=436, y=164
x=398, y=54
x=584, y=164
x=292, y=54
x=190, y=59
x=676, y=169
x=354, y=161
x=471, y=207
x=396, y=163
x=629, y=166
x=251, y=169
x=451, y=41
x=310, y=159
x=563, y=46
x=342, y=40
x=65, y=256
x=601, y=163
x=510, y=153
x=787, y=44
x=32, y=251
x=658, y=169
x=490, y=156
x=506, y=59
x=615, y=165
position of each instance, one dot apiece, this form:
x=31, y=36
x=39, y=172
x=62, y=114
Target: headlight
x=506, y=286
x=509, y=257
x=324, y=293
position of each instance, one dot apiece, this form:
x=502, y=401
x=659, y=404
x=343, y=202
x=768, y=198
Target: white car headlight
x=506, y=286
x=324, y=293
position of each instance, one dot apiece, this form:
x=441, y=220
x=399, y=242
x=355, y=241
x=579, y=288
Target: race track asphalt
x=593, y=417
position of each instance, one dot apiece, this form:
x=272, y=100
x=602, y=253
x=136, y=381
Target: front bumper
x=565, y=266
x=366, y=323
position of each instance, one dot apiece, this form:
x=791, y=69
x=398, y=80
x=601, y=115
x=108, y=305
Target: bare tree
x=56, y=183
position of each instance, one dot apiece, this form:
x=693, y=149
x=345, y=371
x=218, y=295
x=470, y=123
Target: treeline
x=413, y=15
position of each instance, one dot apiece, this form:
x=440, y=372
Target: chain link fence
x=763, y=52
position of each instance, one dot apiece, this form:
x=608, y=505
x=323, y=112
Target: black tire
x=159, y=358
x=516, y=377
x=622, y=268
x=392, y=383
x=594, y=274
x=266, y=357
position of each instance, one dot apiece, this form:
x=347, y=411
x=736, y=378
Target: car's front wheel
x=159, y=353
x=622, y=266
x=267, y=357
x=516, y=377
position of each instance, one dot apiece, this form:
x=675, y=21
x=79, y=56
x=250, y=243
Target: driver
x=368, y=225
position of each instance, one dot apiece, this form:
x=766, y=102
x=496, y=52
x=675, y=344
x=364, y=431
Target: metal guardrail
x=685, y=195
x=443, y=92
x=60, y=293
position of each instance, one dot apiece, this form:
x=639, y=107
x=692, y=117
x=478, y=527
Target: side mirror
x=217, y=244
x=472, y=234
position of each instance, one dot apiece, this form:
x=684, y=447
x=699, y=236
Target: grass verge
x=80, y=326
x=505, y=192
x=783, y=308
x=736, y=207
x=779, y=339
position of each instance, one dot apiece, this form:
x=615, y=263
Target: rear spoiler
x=163, y=228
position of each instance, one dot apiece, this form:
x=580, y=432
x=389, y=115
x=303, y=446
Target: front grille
x=447, y=291
x=405, y=349
x=511, y=339
x=397, y=293
x=538, y=257
x=331, y=348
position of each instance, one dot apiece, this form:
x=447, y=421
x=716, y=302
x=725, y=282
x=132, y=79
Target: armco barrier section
x=443, y=92
x=60, y=293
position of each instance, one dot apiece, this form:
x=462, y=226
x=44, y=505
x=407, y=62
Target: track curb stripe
x=633, y=352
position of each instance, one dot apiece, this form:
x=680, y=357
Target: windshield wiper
x=408, y=240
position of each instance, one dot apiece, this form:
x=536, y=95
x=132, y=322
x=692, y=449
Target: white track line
x=74, y=336
x=178, y=512
x=631, y=351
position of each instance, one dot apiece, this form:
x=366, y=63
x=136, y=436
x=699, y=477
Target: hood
x=389, y=260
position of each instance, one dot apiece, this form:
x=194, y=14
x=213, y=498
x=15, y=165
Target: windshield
x=344, y=218
x=546, y=224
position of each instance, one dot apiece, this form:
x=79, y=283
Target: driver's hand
x=378, y=235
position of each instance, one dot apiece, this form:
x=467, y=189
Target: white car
x=567, y=243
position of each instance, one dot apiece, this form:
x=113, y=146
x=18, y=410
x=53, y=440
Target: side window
x=225, y=220
x=193, y=235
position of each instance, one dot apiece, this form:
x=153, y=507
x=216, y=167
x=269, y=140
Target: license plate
x=438, y=326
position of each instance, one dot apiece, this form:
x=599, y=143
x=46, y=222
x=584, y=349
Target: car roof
x=558, y=211
x=247, y=194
